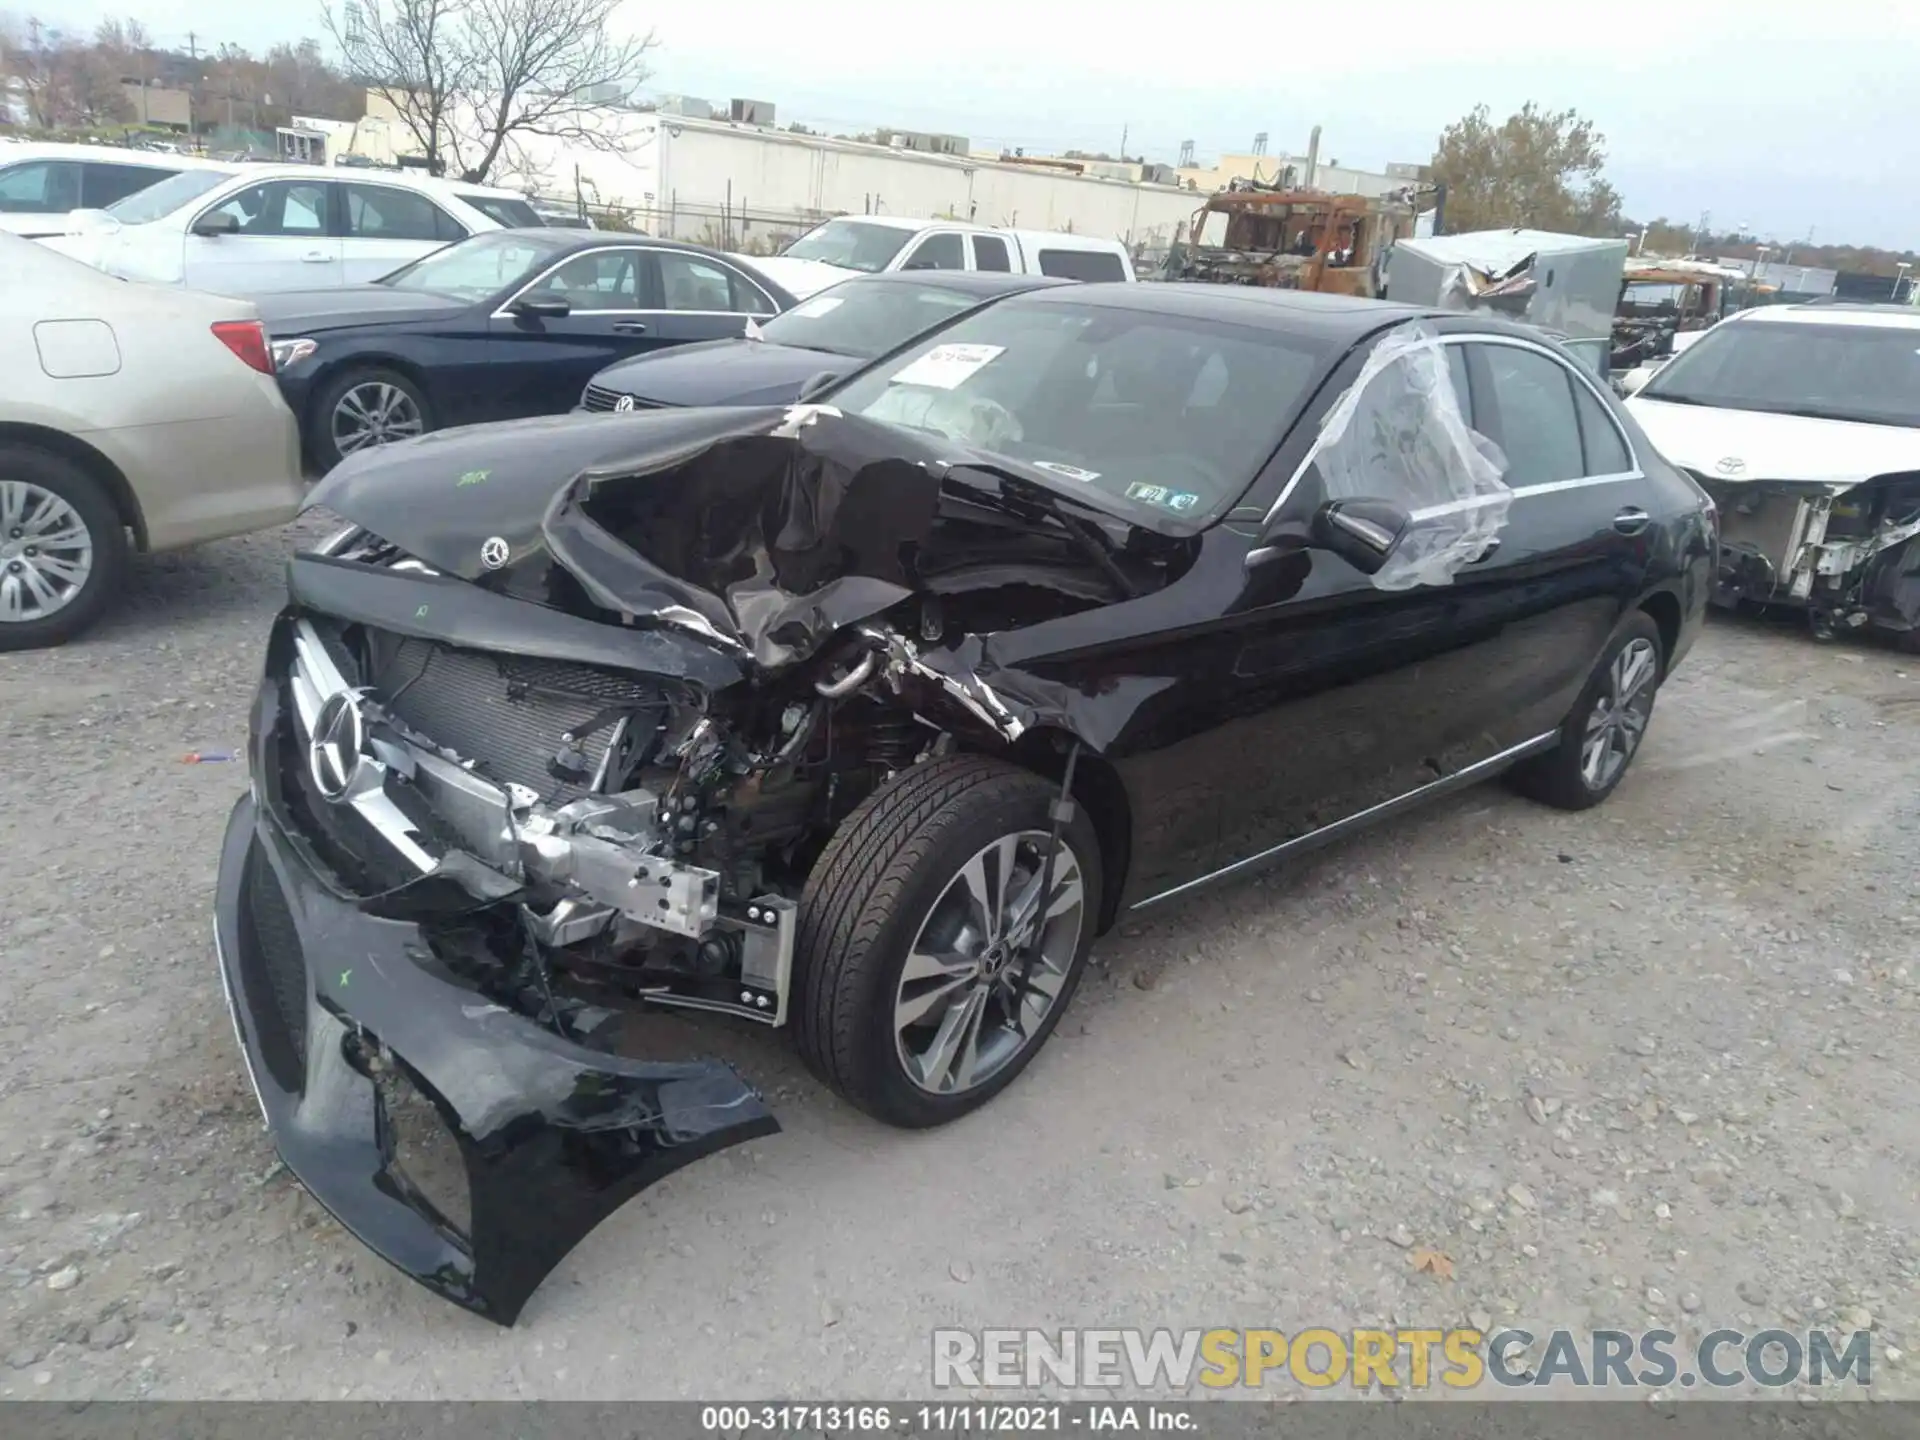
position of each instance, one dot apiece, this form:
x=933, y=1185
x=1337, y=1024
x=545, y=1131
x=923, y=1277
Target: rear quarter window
x=1081, y=265
x=514, y=214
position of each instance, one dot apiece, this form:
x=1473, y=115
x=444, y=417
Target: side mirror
x=1361, y=532
x=817, y=384
x=215, y=224
x=541, y=307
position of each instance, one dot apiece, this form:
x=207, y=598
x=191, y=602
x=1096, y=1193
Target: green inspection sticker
x=472, y=477
x=1179, y=501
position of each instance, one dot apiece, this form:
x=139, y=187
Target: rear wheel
x=63, y=549
x=912, y=996
x=1600, y=738
x=364, y=408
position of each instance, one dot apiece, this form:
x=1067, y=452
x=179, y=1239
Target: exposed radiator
x=510, y=714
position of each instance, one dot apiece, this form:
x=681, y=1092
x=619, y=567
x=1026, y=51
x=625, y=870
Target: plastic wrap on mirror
x=1399, y=434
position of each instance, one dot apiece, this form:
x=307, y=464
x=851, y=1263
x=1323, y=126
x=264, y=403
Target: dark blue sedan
x=507, y=324
x=823, y=337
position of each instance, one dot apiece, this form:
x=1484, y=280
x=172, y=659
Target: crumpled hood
x=762, y=531
x=1755, y=445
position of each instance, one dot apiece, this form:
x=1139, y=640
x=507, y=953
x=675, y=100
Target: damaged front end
x=572, y=742
x=1848, y=553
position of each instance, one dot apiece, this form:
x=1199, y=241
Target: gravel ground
x=1652, y=1065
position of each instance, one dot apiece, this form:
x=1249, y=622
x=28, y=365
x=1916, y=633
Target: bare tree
x=471, y=79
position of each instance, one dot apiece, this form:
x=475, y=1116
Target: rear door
x=1578, y=533
x=990, y=252
x=383, y=227
x=284, y=241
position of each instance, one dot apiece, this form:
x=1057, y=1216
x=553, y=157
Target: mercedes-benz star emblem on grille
x=333, y=755
x=493, y=552
x=624, y=403
x=1732, y=465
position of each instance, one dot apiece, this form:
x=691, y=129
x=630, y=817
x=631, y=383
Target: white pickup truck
x=869, y=244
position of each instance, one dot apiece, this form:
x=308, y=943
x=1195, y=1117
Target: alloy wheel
x=46, y=553
x=374, y=413
x=968, y=1005
x=1619, y=716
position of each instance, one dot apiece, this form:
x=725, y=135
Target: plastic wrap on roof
x=1398, y=434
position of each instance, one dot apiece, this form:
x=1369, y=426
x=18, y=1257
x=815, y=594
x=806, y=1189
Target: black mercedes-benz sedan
x=818, y=340
x=504, y=325
x=864, y=718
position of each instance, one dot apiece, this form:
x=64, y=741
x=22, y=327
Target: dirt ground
x=1656, y=1064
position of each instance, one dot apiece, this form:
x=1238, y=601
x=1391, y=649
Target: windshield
x=163, y=199
x=1149, y=416
x=472, y=269
x=851, y=244
x=865, y=318
x=1869, y=373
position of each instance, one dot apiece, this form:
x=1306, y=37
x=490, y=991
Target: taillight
x=248, y=340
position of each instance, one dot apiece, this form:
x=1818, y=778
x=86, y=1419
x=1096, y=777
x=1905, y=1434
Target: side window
x=937, y=252
x=278, y=207
x=1539, y=430
x=1607, y=453
x=102, y=185
x=382, y=212
x=689, y=282
x=1081, y=265
x=599, y=280
x=990, y=253
x=40, y=186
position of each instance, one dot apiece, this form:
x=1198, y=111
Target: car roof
x=361, y=175
x=558, y=238
x=967, y=282
x=1836, y=312
x=106, y=155
x=1335, y=316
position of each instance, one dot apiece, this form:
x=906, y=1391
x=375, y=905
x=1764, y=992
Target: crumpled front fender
x=552, y=1136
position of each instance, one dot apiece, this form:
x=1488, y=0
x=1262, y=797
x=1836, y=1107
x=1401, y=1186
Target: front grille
x=510, y=714
x=274, y=972
x=601, y=397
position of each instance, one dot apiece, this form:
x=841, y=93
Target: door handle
x=629, y=327
x=315, y=257
x=1632, y=520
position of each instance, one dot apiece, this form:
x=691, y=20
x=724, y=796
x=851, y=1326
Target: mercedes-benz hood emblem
x=333, y=754
x=494, y=552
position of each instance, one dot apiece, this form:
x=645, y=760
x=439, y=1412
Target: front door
x=622, y=300
x=282, y=241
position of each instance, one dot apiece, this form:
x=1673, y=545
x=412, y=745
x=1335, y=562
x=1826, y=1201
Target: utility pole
x=1123, y=141
x=193, y=49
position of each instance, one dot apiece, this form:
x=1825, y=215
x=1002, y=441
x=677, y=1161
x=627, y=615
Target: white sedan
x=131, y=417
x=1803, y=423
x=251, y=229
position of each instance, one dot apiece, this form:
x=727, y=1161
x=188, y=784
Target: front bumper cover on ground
x=552, y=1136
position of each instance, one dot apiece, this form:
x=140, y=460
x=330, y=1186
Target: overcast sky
x=1778, y=116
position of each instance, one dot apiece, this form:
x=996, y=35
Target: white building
x=747, y=186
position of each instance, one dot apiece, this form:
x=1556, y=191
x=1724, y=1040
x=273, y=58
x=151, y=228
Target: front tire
x=63, y=548
x=1603, y=733
x=907, y=988
x=363, y=408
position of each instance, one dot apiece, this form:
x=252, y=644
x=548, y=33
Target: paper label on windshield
x=947, y=367
x=1072, y=472
x=820, y=305
x=1179, y=501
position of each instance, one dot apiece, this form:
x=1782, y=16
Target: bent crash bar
x=552, y=1135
